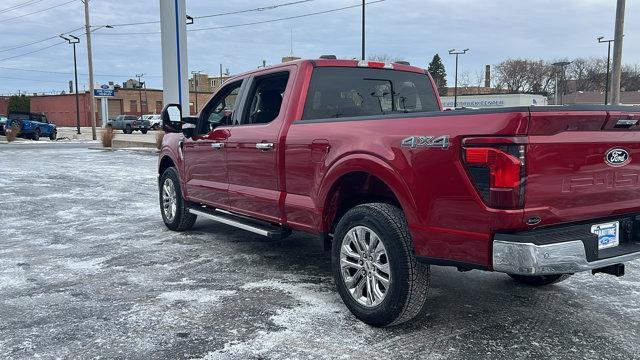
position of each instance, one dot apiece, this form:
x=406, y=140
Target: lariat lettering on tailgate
x=601, y=180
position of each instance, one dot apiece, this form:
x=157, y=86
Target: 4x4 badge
x=426, y=141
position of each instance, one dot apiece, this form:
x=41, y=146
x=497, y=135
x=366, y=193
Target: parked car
x=128, y=124
x=155, y=120
x=361, y=154
x=3, y=123
x=32, y=125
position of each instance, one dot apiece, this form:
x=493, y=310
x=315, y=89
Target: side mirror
x=189, y=125
x=172, y=118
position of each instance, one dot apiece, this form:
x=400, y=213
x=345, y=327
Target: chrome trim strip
x=561, y=258
x=239, y=225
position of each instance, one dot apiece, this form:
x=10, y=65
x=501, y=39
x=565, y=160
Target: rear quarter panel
x=446, y=217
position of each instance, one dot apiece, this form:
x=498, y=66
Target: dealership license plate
x=608, y=234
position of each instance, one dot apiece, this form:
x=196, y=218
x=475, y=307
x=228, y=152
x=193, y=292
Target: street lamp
x=455, y=89
x=139, y=76
x=562, y=65
x=74, y=40
x=606, y=86
x=195, y=85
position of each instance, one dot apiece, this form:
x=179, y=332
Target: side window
x=337, y=92
x=265, y=98
x=219, y=111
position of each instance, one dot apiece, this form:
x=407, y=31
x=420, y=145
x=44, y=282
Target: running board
x=242, y=222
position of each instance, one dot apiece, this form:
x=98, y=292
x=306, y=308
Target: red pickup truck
x=361, y=154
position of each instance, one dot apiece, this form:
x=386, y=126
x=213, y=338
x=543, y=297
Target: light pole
x=562, y=65
x=606, y=86
x=139, y=76
x=455, y=88
x=195, y=85
x=74, y=40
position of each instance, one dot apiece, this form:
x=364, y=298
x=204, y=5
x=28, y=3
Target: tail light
x=497, y=171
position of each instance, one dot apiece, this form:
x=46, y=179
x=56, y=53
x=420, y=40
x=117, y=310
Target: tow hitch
x=616, y=270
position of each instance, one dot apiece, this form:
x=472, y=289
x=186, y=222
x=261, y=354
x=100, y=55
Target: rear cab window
x=337, y=92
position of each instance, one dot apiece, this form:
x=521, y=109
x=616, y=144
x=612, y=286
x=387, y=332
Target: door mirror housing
x=172, y=118
x=173, y=122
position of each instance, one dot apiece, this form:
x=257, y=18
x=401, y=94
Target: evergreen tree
x=19, y=103
x=436, y=69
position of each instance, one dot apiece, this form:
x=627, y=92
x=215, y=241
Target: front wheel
x=539, y=280
x=53, y=135
x=144, y=131
x=36, y=135
x=374, y=266
x=128, y=130
x=173, y=207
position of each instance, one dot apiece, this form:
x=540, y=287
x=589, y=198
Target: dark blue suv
x=32, y=125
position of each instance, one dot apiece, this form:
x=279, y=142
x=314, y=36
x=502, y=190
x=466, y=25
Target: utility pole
x=617, y=54
x=363, y=15
x=220, y=76
x=139, y=76
x=195, y=85
x=92, y=100
x=74, y=40
x=561, y=65
x=455, y=88
x=606, y=85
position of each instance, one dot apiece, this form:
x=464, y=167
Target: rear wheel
x=144, y=131
x=374, y=266
x=540, y=280
x=36, y=135
x=175, y=214
x=128, y=130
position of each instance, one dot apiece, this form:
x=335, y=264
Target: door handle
x=264, y=146
x=217, y=146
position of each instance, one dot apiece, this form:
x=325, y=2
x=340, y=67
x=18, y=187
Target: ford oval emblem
x=105, y=87
x=617, y=157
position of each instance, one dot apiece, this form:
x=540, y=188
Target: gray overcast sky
x=410, y=29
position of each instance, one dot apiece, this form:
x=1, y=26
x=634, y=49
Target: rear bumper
x=563, y=258
x=561, y=250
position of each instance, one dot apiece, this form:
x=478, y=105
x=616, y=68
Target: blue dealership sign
x=104, y=92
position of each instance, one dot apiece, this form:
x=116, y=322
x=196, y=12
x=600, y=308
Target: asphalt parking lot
x=88, y=270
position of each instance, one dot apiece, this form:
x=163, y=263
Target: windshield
x=119, y=117
x=346, y=92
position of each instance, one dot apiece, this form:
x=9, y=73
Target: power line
x=37, y=41
x=31, y=52
x=36, y=12
x=38, y=80
x=69, y=73
x=263, y=8
x=17, y=6
x=250, y=23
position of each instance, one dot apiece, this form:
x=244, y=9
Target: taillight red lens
x=498, y=174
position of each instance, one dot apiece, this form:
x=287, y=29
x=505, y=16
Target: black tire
x=128, y=130
x=183, y=219
x=144, y=131
x=539, y=280
x=36, y=135
x=409, y=279
x=54, y=135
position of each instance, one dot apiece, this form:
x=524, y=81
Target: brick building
x=61, y=109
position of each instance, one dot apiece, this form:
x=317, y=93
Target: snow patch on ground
x=85, y=265
x=198, y=295
x=319, y=308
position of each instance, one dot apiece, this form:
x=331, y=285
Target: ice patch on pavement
x=198, y=295
x=319, y=308
x=85, y=265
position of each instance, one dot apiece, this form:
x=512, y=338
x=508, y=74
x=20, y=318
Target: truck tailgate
x=582, y=164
